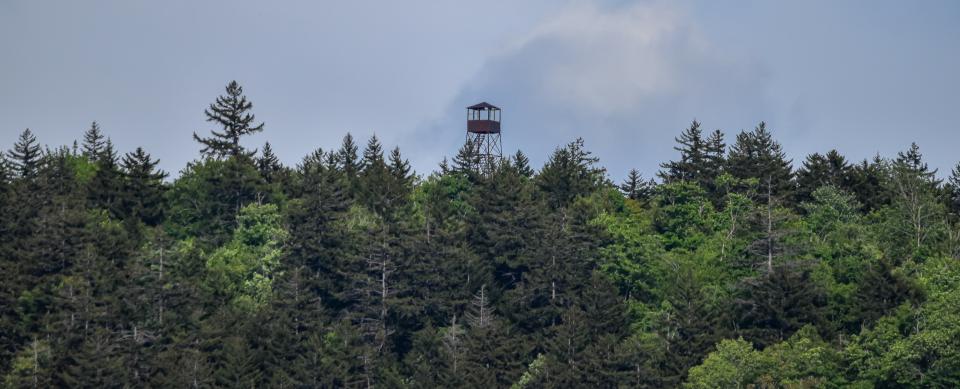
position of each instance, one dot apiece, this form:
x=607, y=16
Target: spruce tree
x=232, y=113
x=268, y=164
x=93, y=142
x=142, y=187
x=756, y=155
x=869, y=183
x=774, y=305
x=635, y=188
x=953, y=190
x=820, y=170
x=570, y=172
x=693, y=157
x=349, y=161
x=25, y=156
x=105, y=189
x=522, y=164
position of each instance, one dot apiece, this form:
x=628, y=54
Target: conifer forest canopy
x=730, y=267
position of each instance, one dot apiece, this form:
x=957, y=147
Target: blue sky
x=864, y=77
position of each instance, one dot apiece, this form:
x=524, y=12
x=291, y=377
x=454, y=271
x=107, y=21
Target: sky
x=864, y=77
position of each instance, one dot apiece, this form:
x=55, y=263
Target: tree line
x=731, y=269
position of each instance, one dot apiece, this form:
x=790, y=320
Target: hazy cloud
x=626, y=78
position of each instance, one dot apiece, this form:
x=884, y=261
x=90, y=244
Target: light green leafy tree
x=243, y=270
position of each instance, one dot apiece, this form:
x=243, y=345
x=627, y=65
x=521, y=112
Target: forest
x=731, y=267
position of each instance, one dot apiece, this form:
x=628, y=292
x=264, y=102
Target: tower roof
x=482, y=106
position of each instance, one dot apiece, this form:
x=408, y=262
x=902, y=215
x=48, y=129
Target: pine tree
x=869, y=183
x=317, y=242
x=953, y=190
x=400, y=169
x=774, y=305
x=635, y=188
x=268, y=164
x=716, y=151
x=690, y=328
x=522, y=164
x=93, y=142
x=25, y=156
x=570, y=172
x=142, y=187
x=756, y=155
x=231, y=112
x=820, y=170
x=105, y=189
x=693, y=157
x=467, y=161
x=349, y=162
x=881, y=289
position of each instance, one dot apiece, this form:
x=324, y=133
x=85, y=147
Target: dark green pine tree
x=716, y=151
x=143, y=187
x=689, y=329
x=239, y=366
x=635, y=188
x=349, y=163
x=317, y=242
x=268, y=164
x=911, y=162
x=522, y=164
x=105, y=189
x=232, y=113
x=507, y=223
x=869, y=183
x=821, y=170
x=25, y=156
x=693, y=157
x=569, y=173
x=953, y=190
x=93, y=142
x=383, y=188
x=774, y=305
x=583, y=350
x=756, y=155
x=467, y=161
x=400, y=170
x=880, y=290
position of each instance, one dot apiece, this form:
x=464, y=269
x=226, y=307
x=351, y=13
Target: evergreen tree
x=756, y=155
x=467, y=161
x=570, y=172
x=25, y=156
x=349, y=160
x=522, y=164
x=105, y=189
x=142, y=187
x=693, y=157
x=716, y=151
x=774, y=305
x=821, y=170
x=317, y=242
x=400, y=169
x=870, y=183
x=690, y=328
x=268, y=164
x=232, y=113
x=635, y=188
x=953, y=190
x=93, y=142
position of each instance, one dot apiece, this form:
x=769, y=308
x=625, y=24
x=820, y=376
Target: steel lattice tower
x=483, y=130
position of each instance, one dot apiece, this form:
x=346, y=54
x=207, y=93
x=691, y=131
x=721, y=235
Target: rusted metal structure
x=483, y=130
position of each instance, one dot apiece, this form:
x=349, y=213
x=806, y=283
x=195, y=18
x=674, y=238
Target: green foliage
x=349, y=270
x=243, y=270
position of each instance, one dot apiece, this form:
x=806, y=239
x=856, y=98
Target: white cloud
x=626, y=78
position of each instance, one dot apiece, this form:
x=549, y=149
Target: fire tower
x=483, y=130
